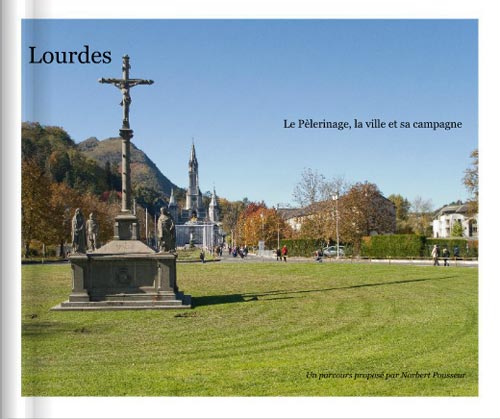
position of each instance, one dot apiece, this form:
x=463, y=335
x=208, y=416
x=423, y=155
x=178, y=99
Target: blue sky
x=229, y=84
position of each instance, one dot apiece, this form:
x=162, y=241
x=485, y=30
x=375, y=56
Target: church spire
x=172, y=201
x=193, y=195
x=193, y=159
x=172, y=206
x=213, y=208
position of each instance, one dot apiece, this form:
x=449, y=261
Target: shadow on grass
x=38, y=328
x=248, y=297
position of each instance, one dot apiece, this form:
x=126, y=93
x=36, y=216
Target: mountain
x=144, y=172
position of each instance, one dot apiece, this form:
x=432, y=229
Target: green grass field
x=263, y=329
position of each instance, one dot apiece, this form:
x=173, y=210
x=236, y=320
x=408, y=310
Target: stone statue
x=125, y=84
x=78, y=232
x=92, y=230
x=166, y=231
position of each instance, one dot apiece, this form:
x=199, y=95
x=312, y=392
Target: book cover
x=322, y=178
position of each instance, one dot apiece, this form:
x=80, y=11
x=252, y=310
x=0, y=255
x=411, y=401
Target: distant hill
x=145, y=174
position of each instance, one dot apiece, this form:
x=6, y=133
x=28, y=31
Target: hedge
x=302, y=247
x=397, y=245
x=411, y=245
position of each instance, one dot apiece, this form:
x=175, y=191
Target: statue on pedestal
x=92, y=230
x=166, y=231
x=78, y=232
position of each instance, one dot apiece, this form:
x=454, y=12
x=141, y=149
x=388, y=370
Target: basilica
x=195, y=226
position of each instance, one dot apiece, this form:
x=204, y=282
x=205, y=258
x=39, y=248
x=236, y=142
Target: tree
x=309, y=188
x=458, y=229
x=402, y=206
x=471, y=182
x=315, y=193
x=59, y=165
x=250, y=226
x=421, y=216
x=230, y=213
x=364, y=211
x=35, y=208
x=262, y=224
x=150, y=199
x=62, y=201
x=104, y=213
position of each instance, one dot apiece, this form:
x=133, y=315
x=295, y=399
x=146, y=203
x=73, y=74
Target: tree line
x=57, y=178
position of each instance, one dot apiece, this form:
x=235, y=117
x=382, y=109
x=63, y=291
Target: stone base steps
x=179, y=301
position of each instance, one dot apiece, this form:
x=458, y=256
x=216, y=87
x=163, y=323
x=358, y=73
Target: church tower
x=213, y=209
x=192, y=195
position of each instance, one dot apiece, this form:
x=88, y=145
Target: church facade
x=195, y=226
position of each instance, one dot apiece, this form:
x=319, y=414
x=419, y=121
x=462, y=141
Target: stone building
x=194, y=225
x=194, y=199
x=447, y=216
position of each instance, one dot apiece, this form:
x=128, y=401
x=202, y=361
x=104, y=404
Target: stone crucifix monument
x=126, y=226
x=125, y=273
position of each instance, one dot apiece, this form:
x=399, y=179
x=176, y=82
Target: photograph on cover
x=249, y=207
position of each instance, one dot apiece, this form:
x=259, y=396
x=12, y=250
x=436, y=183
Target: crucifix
x=125, y=84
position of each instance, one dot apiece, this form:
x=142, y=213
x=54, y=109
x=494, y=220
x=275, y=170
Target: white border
x=12, y=405
x=15, y=406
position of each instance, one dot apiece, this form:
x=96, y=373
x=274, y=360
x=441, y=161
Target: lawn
x=263, y=329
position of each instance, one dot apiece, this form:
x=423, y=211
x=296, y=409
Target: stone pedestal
x=124, y=274
x=126, y=227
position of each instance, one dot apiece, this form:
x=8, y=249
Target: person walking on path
x=435, y=255
x=278, y=254
x=446, y=255
x=284, y=252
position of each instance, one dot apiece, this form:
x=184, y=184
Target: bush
x=397, y=245
x=411, y=245
x=302, y=247
x=36, y=250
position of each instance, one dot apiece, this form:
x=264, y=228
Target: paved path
x=252, y=258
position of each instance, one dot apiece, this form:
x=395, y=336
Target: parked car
x=331, y=251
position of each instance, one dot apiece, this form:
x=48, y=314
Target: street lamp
x=262, y=222
x=335, y=197
x=262, y=243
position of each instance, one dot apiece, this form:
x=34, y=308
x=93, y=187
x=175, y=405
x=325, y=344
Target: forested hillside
x=59, y=176
x=144, y=173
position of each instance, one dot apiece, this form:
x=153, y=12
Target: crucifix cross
x=125, y=84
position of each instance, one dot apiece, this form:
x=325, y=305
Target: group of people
x=436, y=254
x=238, y=251
x=282, y=253
x=218, y=251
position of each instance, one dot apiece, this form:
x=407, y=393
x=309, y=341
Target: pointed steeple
x=172, y=206
x=213, y=201
x=193, y=202
x=172, y=201
x=192, y=159
x=213, y=208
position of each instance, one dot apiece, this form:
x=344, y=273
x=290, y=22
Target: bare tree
x=421, y=215
x=308, y=190
x=314, y=187
x=315, y=193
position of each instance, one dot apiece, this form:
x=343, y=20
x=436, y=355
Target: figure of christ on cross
x=126, y=133
x=124, y=85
